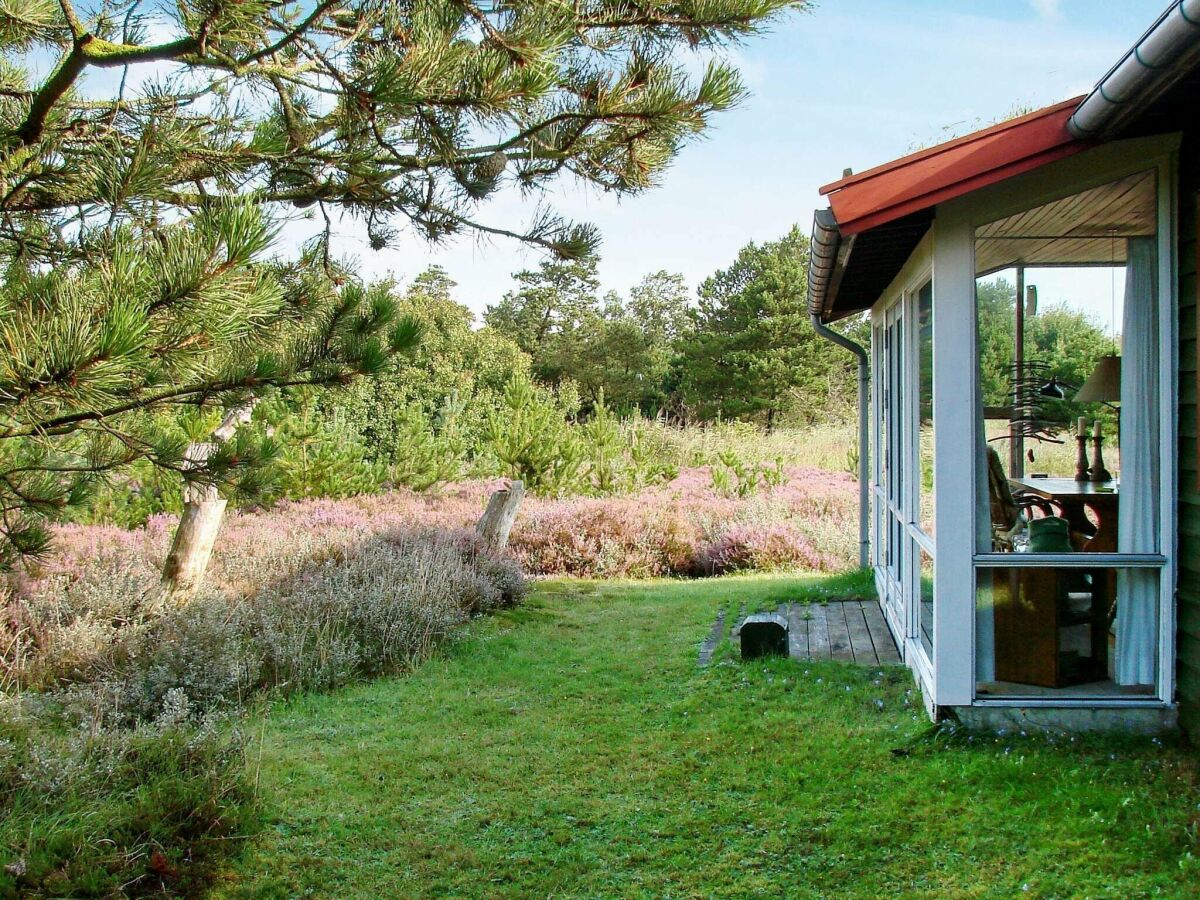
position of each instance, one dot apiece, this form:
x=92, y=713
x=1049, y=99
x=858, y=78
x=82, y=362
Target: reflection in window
x=1067, y=333
x=925, y=404
x=1067, y=342
x=925, y=610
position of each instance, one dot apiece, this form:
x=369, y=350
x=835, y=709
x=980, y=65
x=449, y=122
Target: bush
x=121, y=766
x=350, y=610
x=802, y=519
x=317, y=458
x=94, y=811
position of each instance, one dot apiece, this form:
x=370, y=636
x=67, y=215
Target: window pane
x=925, y=405
x=925, y=608
x=1066, y=632
x=1067, y=336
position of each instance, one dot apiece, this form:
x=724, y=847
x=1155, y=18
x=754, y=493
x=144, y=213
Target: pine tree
x=551, y=315
x=143, y=173
x=136, y=323
x=386, y=110
x=752, y=354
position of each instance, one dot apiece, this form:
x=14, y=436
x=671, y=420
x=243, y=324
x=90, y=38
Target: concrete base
x=1070, y=719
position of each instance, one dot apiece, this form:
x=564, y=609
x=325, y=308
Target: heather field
x=125, y=759
x=684, y=527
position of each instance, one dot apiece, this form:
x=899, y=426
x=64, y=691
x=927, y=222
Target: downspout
x=1145, y=67
x=864, y=539
x=823, y=254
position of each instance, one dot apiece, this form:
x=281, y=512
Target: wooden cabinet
x=1051, y=625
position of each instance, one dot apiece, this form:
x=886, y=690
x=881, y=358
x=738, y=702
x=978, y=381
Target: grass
x=572, y=747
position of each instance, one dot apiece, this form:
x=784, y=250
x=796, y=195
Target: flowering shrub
x=686, y=527
x=96, y=811
x=681, y=527
x=332, y=606
x=118, y=769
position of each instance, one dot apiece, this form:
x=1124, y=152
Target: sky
x=851, y=83
x=848, y=83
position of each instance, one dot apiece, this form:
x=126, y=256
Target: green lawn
x=572, y=748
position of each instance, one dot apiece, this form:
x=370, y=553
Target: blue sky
x=847, y=83
x=850, y=83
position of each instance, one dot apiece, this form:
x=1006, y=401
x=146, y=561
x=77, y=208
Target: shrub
x=317, y=458
x=430, y=451
x=531, y=440
x=95, y=811
x=122, y=772
x=348, y=610
x=803, y=519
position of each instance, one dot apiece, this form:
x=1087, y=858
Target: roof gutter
x=823, y=251
x=1142, y=73
x=822, y=261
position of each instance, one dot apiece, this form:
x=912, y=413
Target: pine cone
x=490, y=167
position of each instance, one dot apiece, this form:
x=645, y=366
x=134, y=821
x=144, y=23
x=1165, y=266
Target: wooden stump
x=497, y=520
x=203, y=512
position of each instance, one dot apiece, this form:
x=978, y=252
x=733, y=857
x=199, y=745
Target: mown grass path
x=572, y=747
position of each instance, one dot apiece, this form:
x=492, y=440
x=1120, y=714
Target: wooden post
x=203, y=511
x=497, y=520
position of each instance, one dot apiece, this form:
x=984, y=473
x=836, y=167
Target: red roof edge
x=936, y=174
x=999, y=127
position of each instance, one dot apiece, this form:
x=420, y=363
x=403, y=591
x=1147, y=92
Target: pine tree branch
x=66, y=424
x=305, y=26
x=90, y=50
x=72, y=20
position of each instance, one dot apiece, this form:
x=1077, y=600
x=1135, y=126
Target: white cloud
x=1047, y=9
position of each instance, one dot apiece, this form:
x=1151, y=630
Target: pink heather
x=679, y=528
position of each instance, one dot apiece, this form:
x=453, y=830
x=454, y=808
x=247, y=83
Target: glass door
x=894, y=518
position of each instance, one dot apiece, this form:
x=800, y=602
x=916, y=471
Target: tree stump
x=497, y=520
x=203, y=511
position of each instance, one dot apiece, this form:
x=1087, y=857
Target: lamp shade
x=1053, y=389
x=1104, y=384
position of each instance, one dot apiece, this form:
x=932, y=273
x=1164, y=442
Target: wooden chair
x=1033, y=606
x=1010, y=512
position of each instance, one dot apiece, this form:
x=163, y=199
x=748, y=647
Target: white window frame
x=955, y=397
x=902, y=294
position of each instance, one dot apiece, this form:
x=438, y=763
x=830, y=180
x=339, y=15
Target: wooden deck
x=851, y=631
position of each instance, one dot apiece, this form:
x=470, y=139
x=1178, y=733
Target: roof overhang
x=877, y=218
x=848, y=273
x=934, y=175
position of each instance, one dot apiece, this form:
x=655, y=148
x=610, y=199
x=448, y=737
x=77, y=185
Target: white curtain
x=1138, y=524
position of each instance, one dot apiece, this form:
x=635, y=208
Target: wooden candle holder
x=1081, y=460
x=1098, y=472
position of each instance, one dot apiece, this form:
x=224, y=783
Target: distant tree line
x=745, y=351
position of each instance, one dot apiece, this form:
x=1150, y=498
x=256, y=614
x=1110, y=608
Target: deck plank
x=850, y=631
x=797, y=631
x=860, y=634
x=881, y=635
x=818, y=632
x=839, y=634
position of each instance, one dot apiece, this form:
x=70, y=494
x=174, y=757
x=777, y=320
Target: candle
x=1096, y=428
x=1081, y=431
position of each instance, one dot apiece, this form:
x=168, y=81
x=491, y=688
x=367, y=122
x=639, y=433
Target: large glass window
x=1049, y=630
x=1068, y=436
x=924, y=309
x=923, y=315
